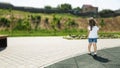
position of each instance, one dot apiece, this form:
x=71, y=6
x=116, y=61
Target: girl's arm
x=97, y=24
x=88, y=33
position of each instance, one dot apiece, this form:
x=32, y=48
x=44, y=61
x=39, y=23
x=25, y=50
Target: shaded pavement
x=107, y=58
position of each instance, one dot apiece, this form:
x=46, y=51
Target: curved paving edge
x=106, y=58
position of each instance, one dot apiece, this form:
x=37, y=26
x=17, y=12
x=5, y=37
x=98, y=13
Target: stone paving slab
x=40, y=52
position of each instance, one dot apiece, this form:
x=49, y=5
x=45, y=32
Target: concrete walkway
x=40, y=52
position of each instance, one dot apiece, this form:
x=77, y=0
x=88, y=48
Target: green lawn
x=16, y=33
x=42, y=32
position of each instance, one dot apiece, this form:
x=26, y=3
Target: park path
x=39, y=52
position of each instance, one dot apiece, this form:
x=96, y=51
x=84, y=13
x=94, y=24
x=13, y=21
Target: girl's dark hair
x=92, y=23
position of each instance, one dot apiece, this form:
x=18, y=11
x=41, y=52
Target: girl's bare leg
x=89, y=47
x=95, y=48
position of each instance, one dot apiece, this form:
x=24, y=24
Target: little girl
x=92, y=35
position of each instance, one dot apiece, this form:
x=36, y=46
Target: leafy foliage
x=102, y=23
x=55, y=24
x=46, y=20
x=106, y=13
x=48, y=7
x=71, y=24
x=77, y=8
x=22, y=25
x=4, y=22
x=65, y=7
x=36, y=20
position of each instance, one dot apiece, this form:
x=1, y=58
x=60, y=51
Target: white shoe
x=89, y=53
x=95, y=53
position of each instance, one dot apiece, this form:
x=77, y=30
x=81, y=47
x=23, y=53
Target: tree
x=106, y=13
x=48, y=7
x=65, y=6
x=77, y=8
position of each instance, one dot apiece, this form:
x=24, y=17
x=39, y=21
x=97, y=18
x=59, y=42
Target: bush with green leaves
x=55, y=24
x=71, y=24
x=109, y=35
x=22, y=25
x=46, y=20
x=4, y=22
x=35, y=19
x=102, y=23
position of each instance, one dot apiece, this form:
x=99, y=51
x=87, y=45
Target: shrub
x=4, y=22
x=22, y=25
x=46, y=20
x=71, y=24
x=55, y=24
x=36, y=20
x=102, y=23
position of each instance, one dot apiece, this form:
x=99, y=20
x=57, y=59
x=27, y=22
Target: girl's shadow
x=100, y=59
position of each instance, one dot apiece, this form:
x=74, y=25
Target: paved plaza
x=56, y=52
